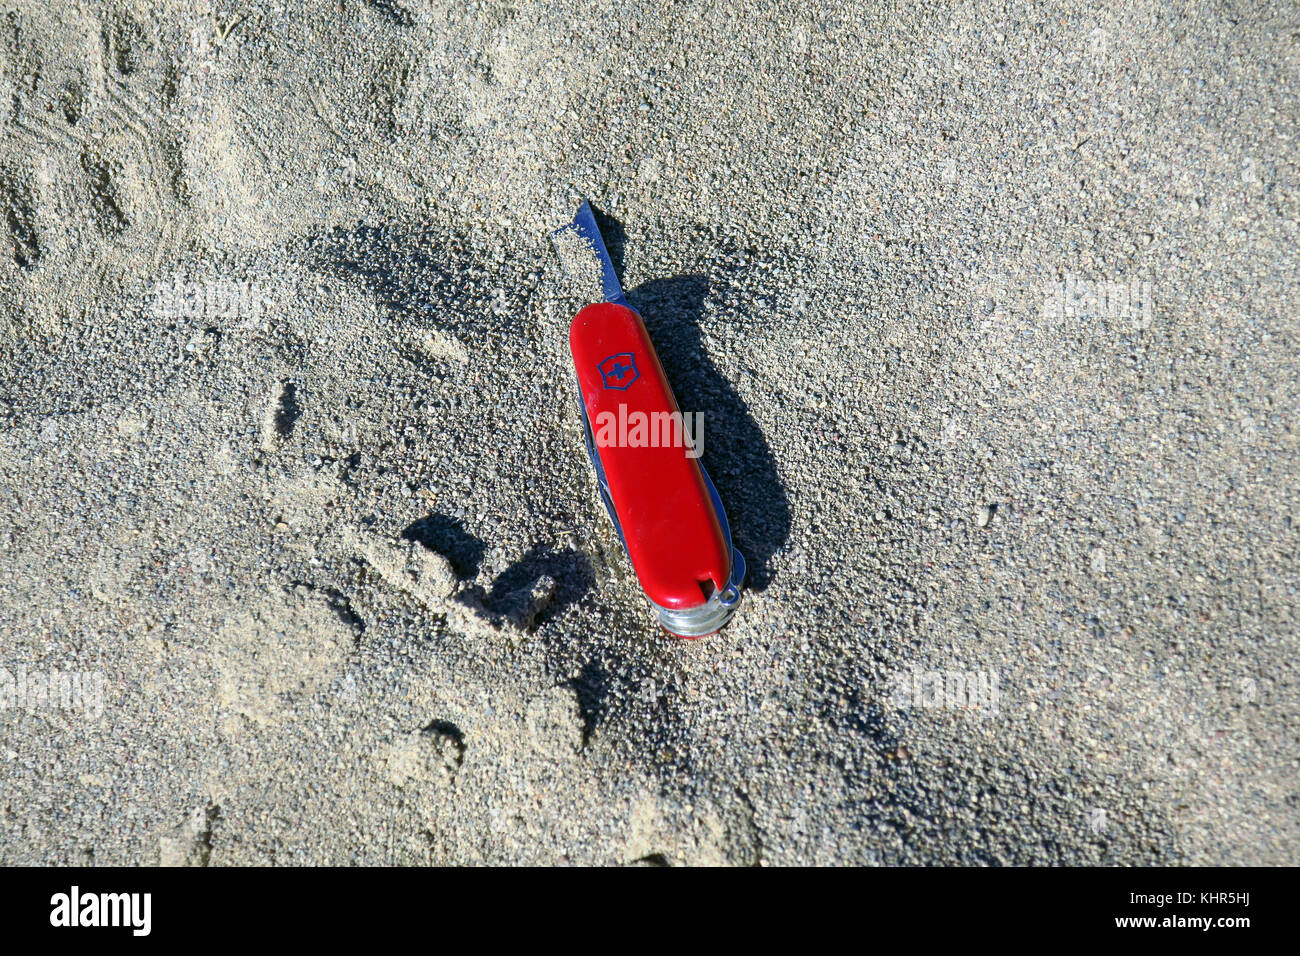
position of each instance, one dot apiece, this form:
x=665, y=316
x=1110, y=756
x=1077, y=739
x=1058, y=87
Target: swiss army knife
x=659, y=496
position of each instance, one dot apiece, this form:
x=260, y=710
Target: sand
x=991, y=315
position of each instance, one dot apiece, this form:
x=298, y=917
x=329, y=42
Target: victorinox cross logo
x=619, y=371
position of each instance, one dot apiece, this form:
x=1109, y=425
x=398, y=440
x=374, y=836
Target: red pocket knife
x=658, y=494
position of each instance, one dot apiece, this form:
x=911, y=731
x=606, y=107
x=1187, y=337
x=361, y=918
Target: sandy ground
x=991, y=313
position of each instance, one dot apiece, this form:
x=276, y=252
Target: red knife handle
x=663, y=502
